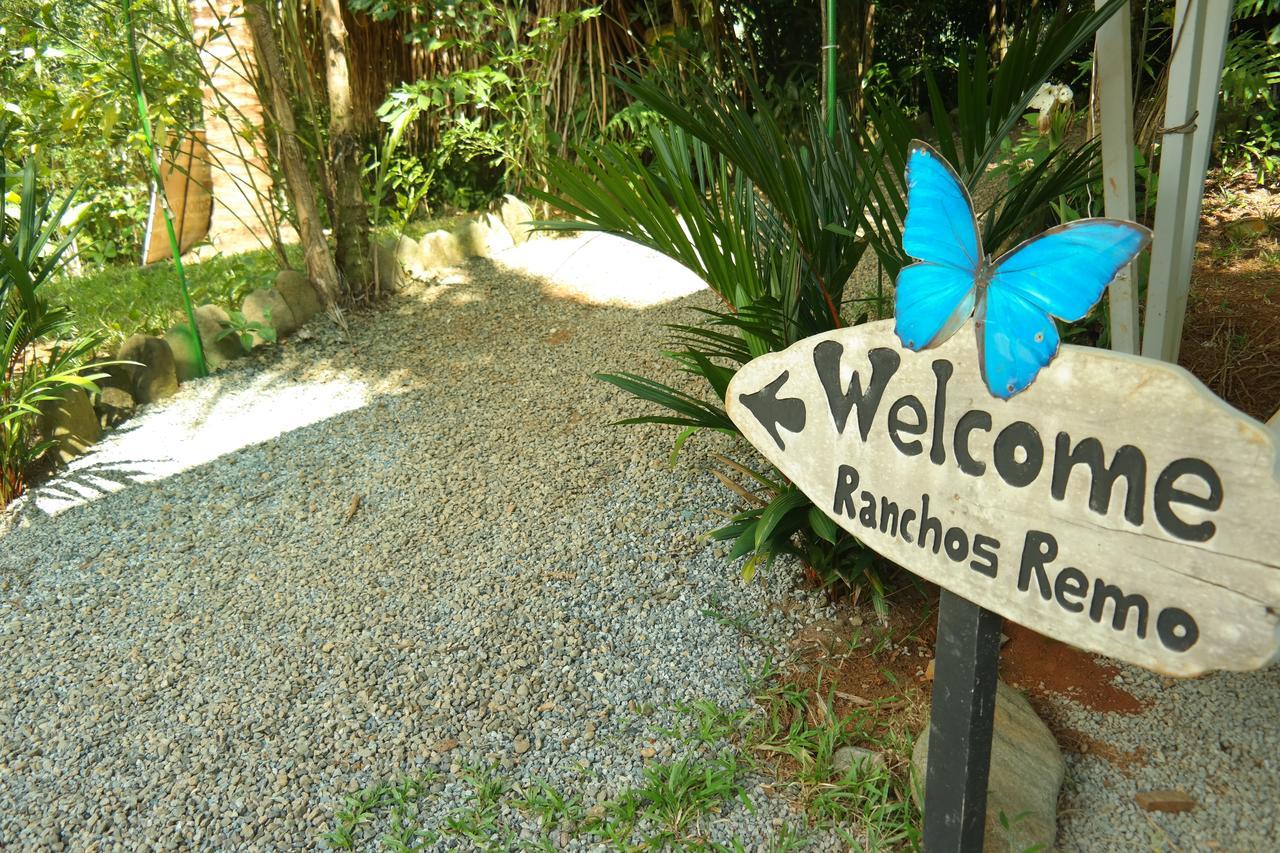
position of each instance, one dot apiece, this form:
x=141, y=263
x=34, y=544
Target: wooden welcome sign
x=1116, y=504
x=1102, y=499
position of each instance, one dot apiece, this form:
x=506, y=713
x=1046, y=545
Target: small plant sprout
x=247, y=330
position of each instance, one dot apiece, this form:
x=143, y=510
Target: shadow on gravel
x=82, y=484
x=424, y=340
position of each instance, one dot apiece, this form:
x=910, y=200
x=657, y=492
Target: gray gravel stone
x=339, y=562
x=213, y=608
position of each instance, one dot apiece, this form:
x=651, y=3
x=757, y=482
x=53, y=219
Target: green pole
x=830, y=55
x=153, y=160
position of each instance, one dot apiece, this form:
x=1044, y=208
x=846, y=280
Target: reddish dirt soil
x=1231, y=337
x=1046, y=669
x=1078, y=742
x=861, y=663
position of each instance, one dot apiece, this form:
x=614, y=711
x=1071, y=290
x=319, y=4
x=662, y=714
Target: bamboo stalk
x=162, y=198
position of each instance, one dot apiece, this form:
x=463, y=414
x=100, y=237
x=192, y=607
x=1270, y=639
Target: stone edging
x=75, y=421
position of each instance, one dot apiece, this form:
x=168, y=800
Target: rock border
x=157, y=365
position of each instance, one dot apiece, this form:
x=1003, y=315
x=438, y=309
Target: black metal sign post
x=967, y=660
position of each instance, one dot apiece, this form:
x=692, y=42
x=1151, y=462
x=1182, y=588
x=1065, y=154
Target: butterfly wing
x=939, y=227
x=1060, y=273
x=1015, y=340
x=1064, y=270
x=935, y=296
x=932, y=301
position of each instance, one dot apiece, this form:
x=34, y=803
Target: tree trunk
x=320, y=267
x=351, y=225
x=855, y=51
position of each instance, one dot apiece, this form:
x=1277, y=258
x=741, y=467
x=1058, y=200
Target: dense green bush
x=41, y=354
x=1248, y=127
x=64, y=89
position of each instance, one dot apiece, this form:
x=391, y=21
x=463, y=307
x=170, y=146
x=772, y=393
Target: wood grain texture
x=1227, y=587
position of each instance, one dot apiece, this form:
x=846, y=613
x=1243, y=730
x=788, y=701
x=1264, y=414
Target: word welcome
x=1018, y=452
x=1117, y=504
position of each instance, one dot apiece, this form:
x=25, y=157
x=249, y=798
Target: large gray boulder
x=483, y=237
x=115, y=405
x=439, y=249
x=408, y=257
x=1026, y=775
x=517, y=218
x=299, y=294
x=386, y=268
x=211, y=321
x=70, y=422
x=421, y=259
x=268, y=307
x=154, y=377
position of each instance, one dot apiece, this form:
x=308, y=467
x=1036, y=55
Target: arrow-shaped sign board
x=1116, y=504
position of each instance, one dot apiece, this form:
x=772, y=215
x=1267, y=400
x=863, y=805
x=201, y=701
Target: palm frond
x=690, y=411
x=990, y=103
x=1023, y=209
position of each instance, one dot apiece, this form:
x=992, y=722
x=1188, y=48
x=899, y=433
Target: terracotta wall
x=241, y=182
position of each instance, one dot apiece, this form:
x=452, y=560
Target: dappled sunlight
x=199, y=425
x=600, y=269
x=466, y=298
x=424, y=295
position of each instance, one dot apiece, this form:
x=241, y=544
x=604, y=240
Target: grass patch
x=414, y=229
x=791, y=737
x=123, y=300
x=663, y=813
x=555, y=811
x=399, y=800
x=477, y=821
x=796, y=738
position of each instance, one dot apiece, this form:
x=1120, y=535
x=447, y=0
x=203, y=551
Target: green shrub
x=1248, y=130
x=42, y=357
x=65, y=91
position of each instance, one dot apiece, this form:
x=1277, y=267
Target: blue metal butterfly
x=1060, y=273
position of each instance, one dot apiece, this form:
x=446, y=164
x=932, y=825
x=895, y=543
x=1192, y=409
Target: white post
x=1112, y=59
x=1195, y=71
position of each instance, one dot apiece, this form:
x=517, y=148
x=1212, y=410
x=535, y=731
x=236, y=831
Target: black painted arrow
x=772, y=412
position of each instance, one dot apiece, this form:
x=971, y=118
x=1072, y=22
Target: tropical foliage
x=1249, y=130
x=42, y=355
x=776, y=219
x=488, y=89
x=66, y=94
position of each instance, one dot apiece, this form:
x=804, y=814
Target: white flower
x=1051, y=95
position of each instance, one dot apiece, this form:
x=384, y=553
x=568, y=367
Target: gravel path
x=341, y=563
x=1215, y=738
x=423, y=549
